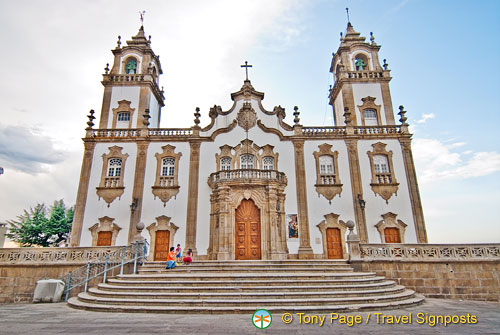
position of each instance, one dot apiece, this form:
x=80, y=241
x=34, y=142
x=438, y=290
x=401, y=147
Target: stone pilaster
x=356, y=186
x=192, y=205
x=305, y=250
x=138, y=191
x=416, y=204
x=83, y=189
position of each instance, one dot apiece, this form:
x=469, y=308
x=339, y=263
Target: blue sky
x=442, y=56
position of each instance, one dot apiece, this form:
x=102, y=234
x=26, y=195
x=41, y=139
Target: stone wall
x=449, y=279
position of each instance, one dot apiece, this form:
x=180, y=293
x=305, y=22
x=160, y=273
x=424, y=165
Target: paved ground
x=60, y=319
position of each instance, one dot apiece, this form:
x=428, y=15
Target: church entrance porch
x=247, y=231
x=247, y=218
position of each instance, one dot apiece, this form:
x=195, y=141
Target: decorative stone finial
x=146, y=116
x=119, y=42
x=296, y=113
x=385, y=64
x=197, y=117
x=149, y=39
x=91, y=118
x=347, y=116
x=106, y=69
x=150, y=68
x=402, y=118
x=372, y=38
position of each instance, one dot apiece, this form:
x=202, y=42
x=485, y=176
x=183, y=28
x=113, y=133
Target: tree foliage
x=42, y=226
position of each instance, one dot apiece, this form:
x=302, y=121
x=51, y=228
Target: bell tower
x=360, y=82
x=132, y=97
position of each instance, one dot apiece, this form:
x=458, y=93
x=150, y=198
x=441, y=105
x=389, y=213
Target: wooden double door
x=247, y=231
x=334, y=243
x=162, y=244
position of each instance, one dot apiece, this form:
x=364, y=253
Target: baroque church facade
x=248, y=185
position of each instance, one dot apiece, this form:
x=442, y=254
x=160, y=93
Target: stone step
x=222, y=269
x=279, y=308
x=173, y=275
x=259, y=262
x=255, y=302
x=227, y=287
x=249, y=282
x=234, y=294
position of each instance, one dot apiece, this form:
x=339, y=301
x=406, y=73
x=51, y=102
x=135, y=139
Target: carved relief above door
x=247, y=231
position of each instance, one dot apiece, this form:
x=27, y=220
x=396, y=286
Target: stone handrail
x=429, y=251
x=376, y=130
x=229, y=175
x=171, y=132
x=323, y=131
x=116, y=133
x=61, y=255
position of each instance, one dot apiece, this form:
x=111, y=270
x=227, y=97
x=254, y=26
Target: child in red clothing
x=189, y=257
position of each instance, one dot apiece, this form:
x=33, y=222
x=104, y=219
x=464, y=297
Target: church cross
x=246, y=66
x=142, y=16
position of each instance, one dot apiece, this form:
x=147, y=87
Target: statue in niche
x=360, y=65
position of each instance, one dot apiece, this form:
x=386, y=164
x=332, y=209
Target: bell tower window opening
x=131, y=66
x=114, y=167
x=247, y=162
x=123, y=116
x=168, y=167
x=361, y=62
x=225, y=163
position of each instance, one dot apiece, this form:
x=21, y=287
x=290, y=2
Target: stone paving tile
x=60, y=319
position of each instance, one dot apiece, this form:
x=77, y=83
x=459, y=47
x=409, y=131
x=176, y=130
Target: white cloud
x=435, y=161
x=426, y=117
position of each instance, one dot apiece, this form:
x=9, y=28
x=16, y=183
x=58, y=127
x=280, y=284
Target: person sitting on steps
x=171, y=259
x=189, y=257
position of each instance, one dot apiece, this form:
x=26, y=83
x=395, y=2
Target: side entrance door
x=392, y=235
x=104, y=238
x=247, y=231
x=334, y=243
x=162, y=241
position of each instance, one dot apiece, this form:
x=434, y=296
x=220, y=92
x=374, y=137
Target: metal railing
x=134, y=253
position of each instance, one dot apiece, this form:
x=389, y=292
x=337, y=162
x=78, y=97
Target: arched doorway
x=247, y=231
x=333, y=243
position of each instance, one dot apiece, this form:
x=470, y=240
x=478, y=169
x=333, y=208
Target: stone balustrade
x=250, y=174
x=110, y=133
x=171, y=132
x=63, y=255
x=126, y=77
x=365, y=74
x=323, y=131
x=376, y=130
x=429, y=251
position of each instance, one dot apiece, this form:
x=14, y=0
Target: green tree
x=41, y=226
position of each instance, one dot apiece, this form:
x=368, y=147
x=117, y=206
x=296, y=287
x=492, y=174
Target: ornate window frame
x=123, y=106
x=389, y=186
x=162, y=223
x=328, y=190
x=369, y=103
x=246, y=147
x=332, y=221
x=105, y=224
x=166, y=187
x=111, y=187
x=225, y=151
x=389, y=221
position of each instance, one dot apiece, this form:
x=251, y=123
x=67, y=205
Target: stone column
x=356, y=186
x=138, y=191
x=192, y=205
x=416, y=204
x=305, y=250
x=83, y=188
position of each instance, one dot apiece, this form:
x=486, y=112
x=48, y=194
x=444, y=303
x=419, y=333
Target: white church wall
x=339, y=109
x=124, y=93
x=376, y=206
x=320, y=206
x=119, y=209
x=367, y=89
x=154, y=111
x=176, y=207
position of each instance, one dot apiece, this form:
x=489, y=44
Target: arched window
x=268, y=163
x=326, y=165
x=124, y=116
x=168, y=167
x=114, y=167
x=370, y=116
x=247, y=162
x=225, y=163
x=131, y=66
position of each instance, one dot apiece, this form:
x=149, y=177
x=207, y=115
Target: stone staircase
x=320, y=286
